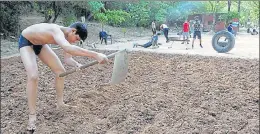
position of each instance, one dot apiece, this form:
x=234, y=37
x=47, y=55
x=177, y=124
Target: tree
x=101, y=17
x=238, y=9
x=249, y=10
x=214, y=7
x=94, y=8
x=117, y=17
x=139, y=13
x=229, y=5
x=9, y=16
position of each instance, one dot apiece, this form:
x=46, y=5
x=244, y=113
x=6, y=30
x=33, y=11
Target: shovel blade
x=120, y=67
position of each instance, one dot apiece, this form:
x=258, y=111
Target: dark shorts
x=197, y=33
x=24, y=42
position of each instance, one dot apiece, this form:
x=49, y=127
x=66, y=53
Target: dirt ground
x=183, y=92
x=163, y=93
x=246, y=46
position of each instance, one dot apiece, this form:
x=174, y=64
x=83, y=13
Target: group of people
x=34, y=42
x=253, y=30
x=196, y=30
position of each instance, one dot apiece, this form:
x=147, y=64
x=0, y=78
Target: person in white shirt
x=153, y=27
x=165, y=29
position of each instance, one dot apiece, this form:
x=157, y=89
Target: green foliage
x=160, y=16
x=101, y=17
x=68, y=17
x=9, y=17
x=68, y=20
x=94, y=6
x=254, y=10
x=117, y=17
x=36, y=6
x=229, y=16
x=117, y=5
x=214, y=6
x=50, y=12
x=112, y=17
x=159, y=11
x=139, y=13
x=123, y=14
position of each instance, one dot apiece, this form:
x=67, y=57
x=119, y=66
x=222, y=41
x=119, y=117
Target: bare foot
x=32, y=121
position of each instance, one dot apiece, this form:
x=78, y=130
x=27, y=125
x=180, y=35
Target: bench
x=177, y=39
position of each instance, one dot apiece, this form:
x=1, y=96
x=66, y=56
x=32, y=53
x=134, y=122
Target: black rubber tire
x=218, y=47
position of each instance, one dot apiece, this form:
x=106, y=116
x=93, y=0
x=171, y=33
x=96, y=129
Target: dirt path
x=246, y=46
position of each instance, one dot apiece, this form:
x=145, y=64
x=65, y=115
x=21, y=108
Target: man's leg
x=139, y=45
x=200, y=44
x=167, y=32
x=199, y=36
x=48, y=57
x=164, y=32
x=29, y=60
x=154, y=31
x=194, y=37
x=183, y=37
x=187, y=37
x=105, y=40
x=148, y=44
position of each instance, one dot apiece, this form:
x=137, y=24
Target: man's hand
x=101, y=58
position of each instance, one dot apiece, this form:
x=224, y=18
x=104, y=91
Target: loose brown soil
x=162, y=94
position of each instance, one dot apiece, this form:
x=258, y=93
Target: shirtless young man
x=33, y=42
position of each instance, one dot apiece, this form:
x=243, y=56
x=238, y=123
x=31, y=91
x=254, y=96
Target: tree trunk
x=105, y=5
x=214, y=16
x=238, y=10
x=55, y=18
x=57, y=11
x=229, y=5
x=47, y=17
x=86, y=13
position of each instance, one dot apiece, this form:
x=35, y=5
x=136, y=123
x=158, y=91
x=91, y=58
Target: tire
x=219, y=47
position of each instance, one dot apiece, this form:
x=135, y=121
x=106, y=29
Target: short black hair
x=81, y=29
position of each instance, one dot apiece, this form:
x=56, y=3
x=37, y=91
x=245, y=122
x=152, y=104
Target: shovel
x=120, y=67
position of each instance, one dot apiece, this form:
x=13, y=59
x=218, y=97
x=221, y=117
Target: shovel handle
x=86, y=65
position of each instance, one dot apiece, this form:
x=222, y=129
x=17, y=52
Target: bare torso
x=40, y=34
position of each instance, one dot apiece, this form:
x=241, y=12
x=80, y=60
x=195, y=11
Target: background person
x=165, y=29
x=197, y=32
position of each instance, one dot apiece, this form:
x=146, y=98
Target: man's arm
x=70, y=61
x=75, y=50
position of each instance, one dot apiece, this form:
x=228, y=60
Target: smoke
x=181, y=10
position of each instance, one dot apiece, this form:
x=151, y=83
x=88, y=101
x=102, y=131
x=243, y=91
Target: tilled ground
x=163, y=94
